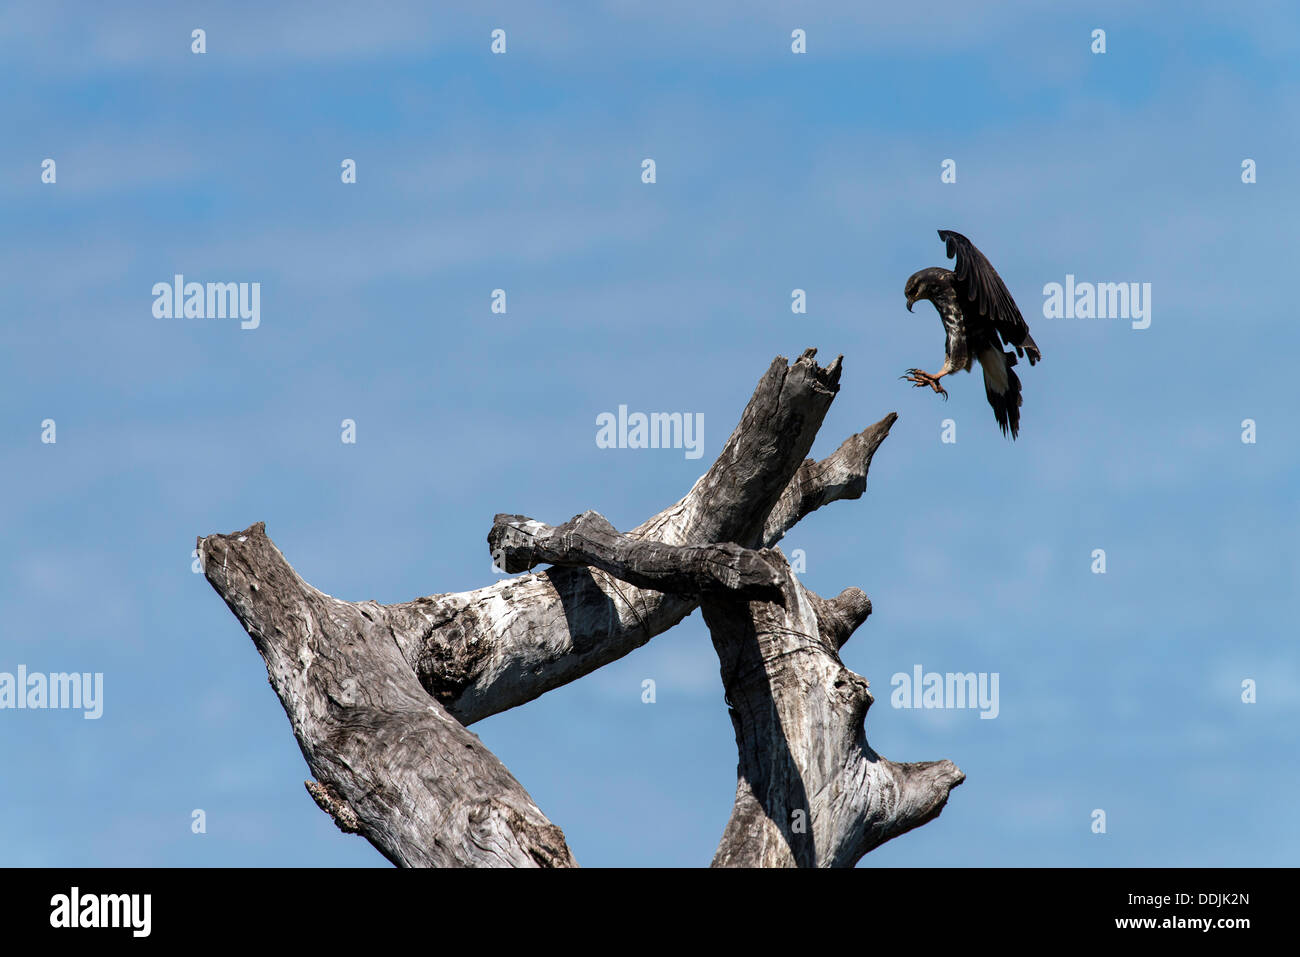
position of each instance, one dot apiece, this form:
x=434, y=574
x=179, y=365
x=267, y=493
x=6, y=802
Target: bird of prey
x=979, y=317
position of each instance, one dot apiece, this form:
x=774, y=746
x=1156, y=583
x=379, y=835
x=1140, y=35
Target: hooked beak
x=910, y=300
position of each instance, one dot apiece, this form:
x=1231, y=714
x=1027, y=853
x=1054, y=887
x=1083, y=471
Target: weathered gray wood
x=841, y=475
x=391, y=764
x=589, y=539
x=567, y=622
x=811, y=792
x=379, y=696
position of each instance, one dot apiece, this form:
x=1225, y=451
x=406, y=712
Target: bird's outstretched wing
x=979, y=284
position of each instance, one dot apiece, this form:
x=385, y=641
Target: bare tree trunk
x=379, y=695
x=392, y=764
x=811, y=792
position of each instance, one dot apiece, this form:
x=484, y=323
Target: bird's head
x=922, y=285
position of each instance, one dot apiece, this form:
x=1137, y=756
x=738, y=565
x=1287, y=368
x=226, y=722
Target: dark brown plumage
x=979, y=316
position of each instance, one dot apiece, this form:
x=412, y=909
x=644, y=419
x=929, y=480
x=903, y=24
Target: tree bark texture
x=380, y=696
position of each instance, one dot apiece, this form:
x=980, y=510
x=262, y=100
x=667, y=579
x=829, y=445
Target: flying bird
x=979, y=317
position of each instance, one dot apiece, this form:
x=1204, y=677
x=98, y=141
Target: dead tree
x=380, y=696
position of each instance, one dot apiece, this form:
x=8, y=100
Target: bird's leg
x=919, y=378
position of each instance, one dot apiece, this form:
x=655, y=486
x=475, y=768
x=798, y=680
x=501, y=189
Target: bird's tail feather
x=1004, y=396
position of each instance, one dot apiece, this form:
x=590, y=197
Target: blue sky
x=774, y=171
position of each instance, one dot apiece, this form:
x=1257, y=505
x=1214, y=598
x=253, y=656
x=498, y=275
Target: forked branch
x=379, y=696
